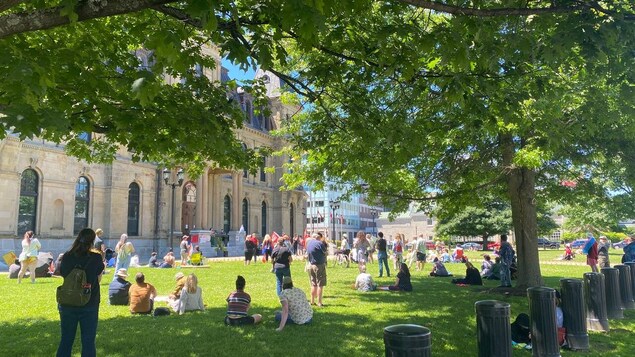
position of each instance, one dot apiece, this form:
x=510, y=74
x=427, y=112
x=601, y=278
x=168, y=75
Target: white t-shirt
x=364, y=282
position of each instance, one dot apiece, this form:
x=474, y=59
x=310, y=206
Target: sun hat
x=123, y=272
x=178, y=276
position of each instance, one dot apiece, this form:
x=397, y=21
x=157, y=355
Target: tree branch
x=468, y=11
x=7, y=4
x=42, y=19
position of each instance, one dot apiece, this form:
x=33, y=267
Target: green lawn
x=351, y=323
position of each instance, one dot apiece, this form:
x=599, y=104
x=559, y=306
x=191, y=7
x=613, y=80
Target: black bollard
x=632, y=266
x=626, y=286
x=595, y=299
x=493, y=329
x=407, y=341
x=574, y=312
x=614, y=308
x=544, y=331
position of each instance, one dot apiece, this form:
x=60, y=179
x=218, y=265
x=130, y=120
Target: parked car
x=546, y=243
x=471, y=246
x=621, y=244
x=578, y=243
x=493, y=245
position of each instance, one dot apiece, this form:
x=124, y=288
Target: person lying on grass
x=403, y=280
x=295, y=306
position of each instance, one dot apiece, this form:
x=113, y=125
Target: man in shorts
x=421, y=252
x=238, y=304
x=316, y=250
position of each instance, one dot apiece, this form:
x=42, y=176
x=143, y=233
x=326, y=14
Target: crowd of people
x=88, y=251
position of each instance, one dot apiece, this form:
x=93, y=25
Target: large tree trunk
x=521, y=189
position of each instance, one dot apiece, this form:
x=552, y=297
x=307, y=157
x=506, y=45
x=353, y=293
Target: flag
x=331, y=215
x=341, y=219
x=320, y=214
x=569, y=183
x=274, y=238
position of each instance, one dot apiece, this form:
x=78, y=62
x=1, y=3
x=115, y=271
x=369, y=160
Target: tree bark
x=521, y=184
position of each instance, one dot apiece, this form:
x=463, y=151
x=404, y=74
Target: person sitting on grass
x=403, y=280
x=142, y=295
x=295, y=306
x=238, y=304
x=364, y=282
x=153, y=262
x=168, y=260
x=496, y=269
x=118, y=290
x=438, y=269
x=175, y=295
x=472, y=275
x=486, y=266
x=191, y=296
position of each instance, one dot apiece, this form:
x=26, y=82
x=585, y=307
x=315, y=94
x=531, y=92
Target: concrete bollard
x=614, y=308
x=493, y=331
x=595, y=299
x=574, y=312
x=626, y=286
x=544, y=331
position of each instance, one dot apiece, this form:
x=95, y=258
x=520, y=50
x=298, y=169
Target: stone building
x=55, y=195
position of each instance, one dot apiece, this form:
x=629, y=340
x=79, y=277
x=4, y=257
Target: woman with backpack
x=81, y=255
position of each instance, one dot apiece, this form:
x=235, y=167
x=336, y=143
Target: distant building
x=55, y=195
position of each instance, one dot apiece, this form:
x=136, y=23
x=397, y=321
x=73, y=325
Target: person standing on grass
x=316, y=251
x=86, y=316
x=506, y=253
x=142, y=295
x=592, y=256
x=124, y=251
x=382, y=254
x=397, y=250
x=238, y=304
x=267, y=247
x=421, y=252
x=28, y=258
x=363, y=247
x=371, y=250
x=603, y=253
x=402, y=283
x=295, y=307
x=629, y=250
x=281, y=259
x=185, y=249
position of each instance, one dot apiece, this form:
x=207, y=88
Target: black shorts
x=421, y=257
x=248, y=255
x=245, y=320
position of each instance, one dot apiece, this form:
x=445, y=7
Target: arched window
x=27, y=210
x=246, y=215
x=292, y=220
x=189, y=192
x=82, y=200
x=263, y=213
x=227, y=214
x=134, y=202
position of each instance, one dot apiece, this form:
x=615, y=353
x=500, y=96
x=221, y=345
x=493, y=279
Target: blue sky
x=236, y=73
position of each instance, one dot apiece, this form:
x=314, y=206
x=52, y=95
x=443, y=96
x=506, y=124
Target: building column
x=237, y=188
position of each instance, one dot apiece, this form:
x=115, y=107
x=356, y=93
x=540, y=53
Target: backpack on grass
x=75, y=291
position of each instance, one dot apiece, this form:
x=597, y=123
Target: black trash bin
x=595, y=299
x=574, y=313
x=407, y=341
x=493, y=331
x=632, y=266
x=544, y=331
x=626, y=287
x=614, y=308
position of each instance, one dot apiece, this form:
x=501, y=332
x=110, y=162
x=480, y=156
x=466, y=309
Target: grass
x=351, y=323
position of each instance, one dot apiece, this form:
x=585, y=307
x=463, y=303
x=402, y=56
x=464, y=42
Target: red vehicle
x=493, y=245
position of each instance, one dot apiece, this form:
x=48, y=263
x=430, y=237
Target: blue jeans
x=87, y=318
x=506, y=279
x=279, y=274
x=278, y=317
x=382, y=258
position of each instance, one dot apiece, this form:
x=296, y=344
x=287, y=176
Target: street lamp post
x=334, y=206
x=373, y=213
x=174, y=185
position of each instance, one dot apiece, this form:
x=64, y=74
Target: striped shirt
x=238, y=304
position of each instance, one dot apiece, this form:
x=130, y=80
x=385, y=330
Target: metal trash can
x=626, y=286
x=595, y=299
x=542, y=313
x=632, y=266
x=407, y=341
x=493, y=329
x=574, y=313
x=614, y=308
